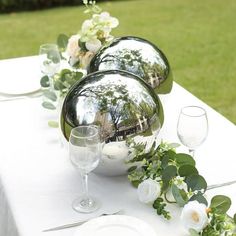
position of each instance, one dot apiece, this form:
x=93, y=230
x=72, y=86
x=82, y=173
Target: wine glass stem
x=85, y=185
x=192, y=152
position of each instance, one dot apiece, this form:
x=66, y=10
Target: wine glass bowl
x=192, y=127
x=85, y=152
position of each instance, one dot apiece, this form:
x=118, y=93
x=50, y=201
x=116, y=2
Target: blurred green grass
x=198, y=38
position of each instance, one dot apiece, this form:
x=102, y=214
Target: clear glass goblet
x=85, y=153
x=50, y=60
x=192, y=127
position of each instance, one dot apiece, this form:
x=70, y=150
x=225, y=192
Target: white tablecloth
x=38, y=183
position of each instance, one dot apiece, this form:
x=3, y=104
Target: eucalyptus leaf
x=171, y=154
x=164, y=161
x=53, y=124
x=193, y=232
x=167, y=174
x=200, y=198
x=50, y=95
x=62, y=41
x=58, y=85
x=65, y=71
x=220, y=204
x=186, y=170
x=179, y=195
x=184, y=159
x=135, y=183
x=48, y=105
x=196, y=182
x=132, y=168
x=44, y=82
x=78, y=75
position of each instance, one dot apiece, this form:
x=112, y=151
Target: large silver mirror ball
x=122, y=105
x=138, y=56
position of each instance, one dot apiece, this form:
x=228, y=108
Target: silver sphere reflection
x=138, y=56
x=123, y=107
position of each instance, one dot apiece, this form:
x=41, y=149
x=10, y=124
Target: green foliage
x=219, y=225
x=200, y=198
x=50, y=95
x=62, y=41
x=160, y=205
x=193, y=232
x=48, y=105
x=196, y=182
x=168, y=173
x=220, y=204
x=184, y=159
x=62, y=82
x=176, y=172
x=187, y=170
x=44, y=82
x=180, y=195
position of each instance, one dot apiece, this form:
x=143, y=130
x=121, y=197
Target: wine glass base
x=85, y=205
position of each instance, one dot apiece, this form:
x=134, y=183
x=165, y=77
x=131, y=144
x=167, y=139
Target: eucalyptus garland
x=180, y=183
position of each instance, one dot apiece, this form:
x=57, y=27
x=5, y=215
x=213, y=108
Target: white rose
x=73, y=48
x=194, y=216
x=149, y=190
x=93, y=45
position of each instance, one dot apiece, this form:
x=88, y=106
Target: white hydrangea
x=149, y=190
x=194, y=216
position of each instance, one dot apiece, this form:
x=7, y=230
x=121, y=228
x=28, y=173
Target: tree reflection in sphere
x=138, y=56
x=122, y=105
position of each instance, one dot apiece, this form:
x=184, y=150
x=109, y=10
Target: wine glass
x=85, y=152
x=50, y=60
x=192, y=127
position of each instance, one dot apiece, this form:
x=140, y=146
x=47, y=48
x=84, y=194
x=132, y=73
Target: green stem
x=165, y=196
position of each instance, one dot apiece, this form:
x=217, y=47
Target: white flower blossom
x=149, y=190
x=93, y=45
x=94, y=33
x=73, y=48
x=194, y=216
x=108, y=20
x=87, y=26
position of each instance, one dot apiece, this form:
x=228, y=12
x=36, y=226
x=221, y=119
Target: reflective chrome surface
x=122, y=105
x=139, y=57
